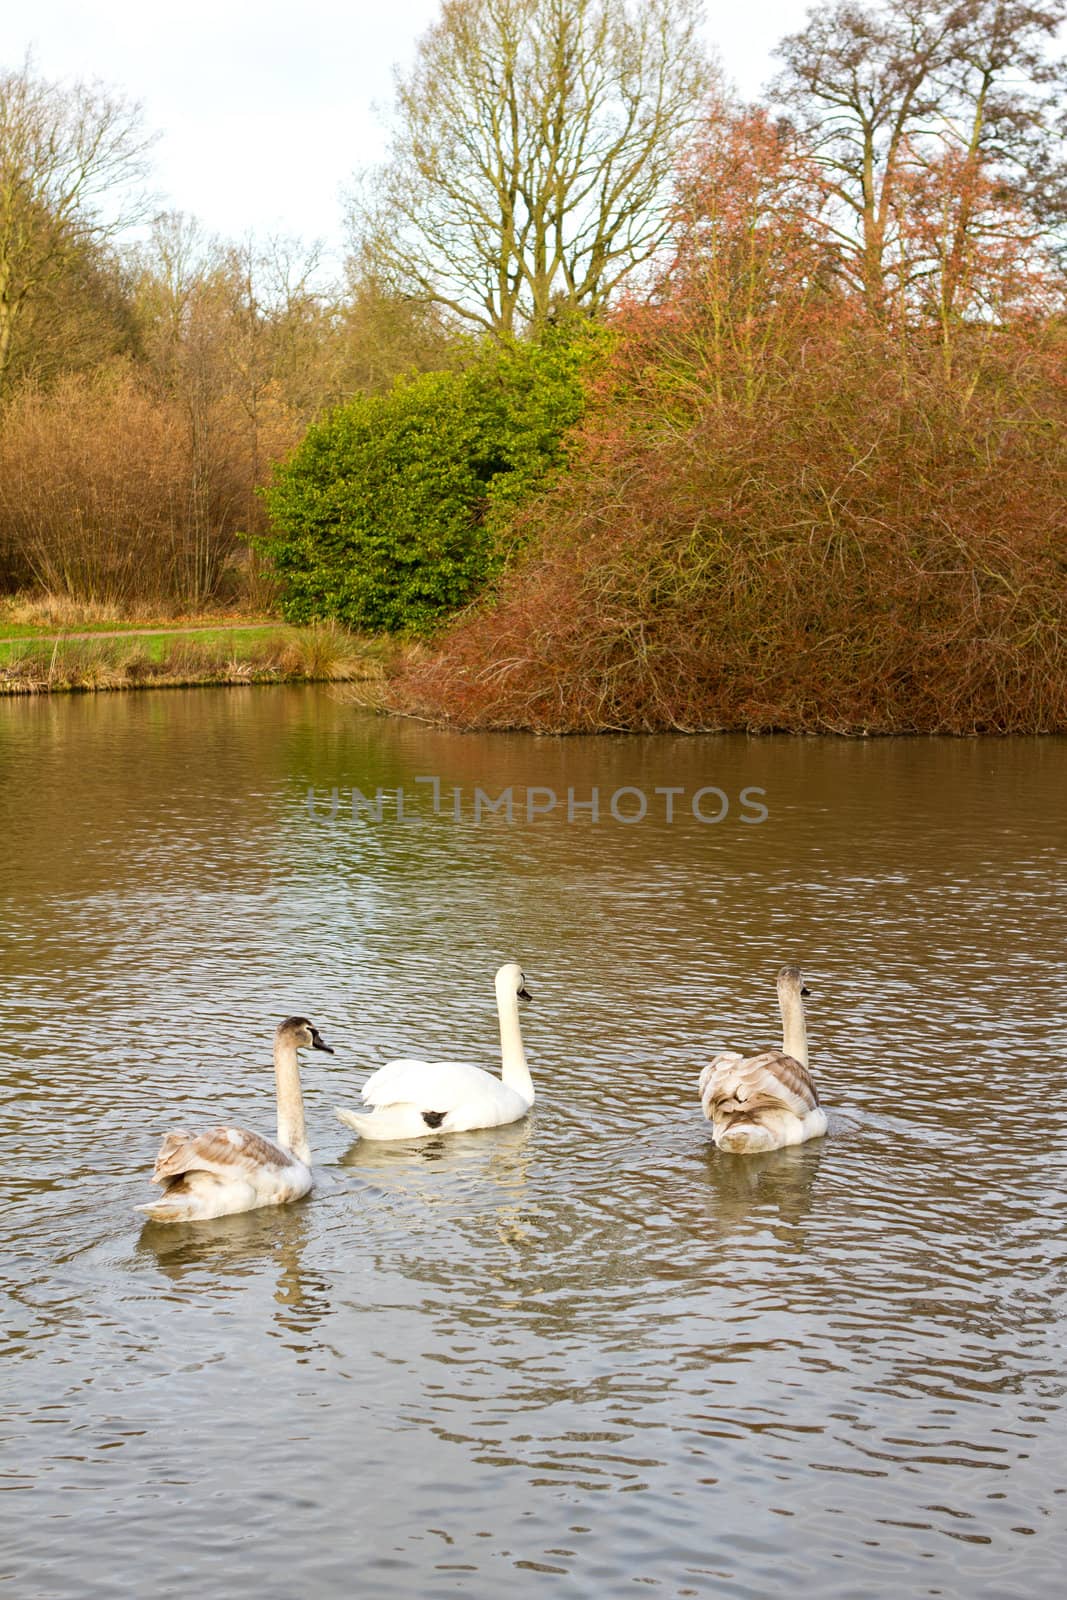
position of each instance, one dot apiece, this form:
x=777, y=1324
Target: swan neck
x=794, y=1030
x=292, y=1129
x=514, y=1071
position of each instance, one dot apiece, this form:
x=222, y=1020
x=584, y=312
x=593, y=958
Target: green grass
x=242, y=640
x=42, y=662
x=26, y=630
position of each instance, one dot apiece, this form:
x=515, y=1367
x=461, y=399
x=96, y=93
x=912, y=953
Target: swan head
x=301, y=1034
x=510, y=980
x=790, y=983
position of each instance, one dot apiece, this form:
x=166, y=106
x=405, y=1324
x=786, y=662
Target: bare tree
x=385, y=335
x=233, y=337
x=1005, y=145
x=899, y=95
x=70, y=160
x=530, y=166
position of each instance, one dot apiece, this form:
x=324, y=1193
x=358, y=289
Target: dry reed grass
x=115, y=494
x=61, y=613
x=325, y=654
x=64, y=613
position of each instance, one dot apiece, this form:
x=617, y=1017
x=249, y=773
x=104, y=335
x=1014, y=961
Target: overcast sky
x=263, y=108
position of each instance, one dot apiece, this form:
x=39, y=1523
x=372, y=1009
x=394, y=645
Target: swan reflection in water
x=209, y=1259
x=474, y=1175
x=498, y=1154
x=781, y=1181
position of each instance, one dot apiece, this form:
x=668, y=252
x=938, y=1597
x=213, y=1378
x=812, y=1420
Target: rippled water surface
x=587, y=1352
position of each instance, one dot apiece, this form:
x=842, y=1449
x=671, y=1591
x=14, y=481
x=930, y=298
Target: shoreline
x=224, y=653
x=207, y=655
x=363, y=681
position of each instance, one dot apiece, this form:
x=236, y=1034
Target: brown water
x=582, y=1356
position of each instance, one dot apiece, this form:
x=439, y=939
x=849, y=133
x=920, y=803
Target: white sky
x=265, y=108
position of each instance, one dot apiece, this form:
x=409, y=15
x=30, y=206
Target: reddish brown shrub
x=867, y=548
x=781, y=513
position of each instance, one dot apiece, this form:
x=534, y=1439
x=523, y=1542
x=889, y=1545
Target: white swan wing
x=225, y=1152
x=771, y=1081
x=431, y=1085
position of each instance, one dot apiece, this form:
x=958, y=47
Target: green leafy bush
x=393, y=512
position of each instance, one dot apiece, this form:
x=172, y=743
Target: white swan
x=226, y=1169
x=764, y=1102
x=414, y=1099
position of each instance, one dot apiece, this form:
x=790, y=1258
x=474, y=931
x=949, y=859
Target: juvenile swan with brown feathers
x=763, y=1102
x=226, y=1169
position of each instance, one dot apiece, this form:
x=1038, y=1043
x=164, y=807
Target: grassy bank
x=104, y=652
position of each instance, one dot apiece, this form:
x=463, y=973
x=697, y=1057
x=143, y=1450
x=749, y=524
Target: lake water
x=586, y=1355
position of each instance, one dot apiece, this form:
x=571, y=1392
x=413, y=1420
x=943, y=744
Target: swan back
x=436, y=1085
x=227, y=1169
x=769, y=1100
x=413, y=1099
x=223, y=1151
x=736, y=1084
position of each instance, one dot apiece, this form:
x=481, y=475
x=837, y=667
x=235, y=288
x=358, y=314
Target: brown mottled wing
x=227, y=1152
x=769, y=1081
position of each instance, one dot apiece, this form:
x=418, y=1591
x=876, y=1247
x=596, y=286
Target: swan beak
x=524, y=993
x=319, y=1043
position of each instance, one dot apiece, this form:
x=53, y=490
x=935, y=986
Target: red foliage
x=780, y=514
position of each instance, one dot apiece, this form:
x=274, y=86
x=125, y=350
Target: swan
x=414, y=1099
x=227, y=1169
x=764, y=1102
